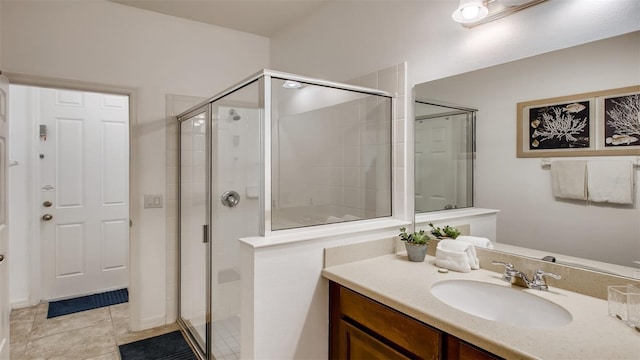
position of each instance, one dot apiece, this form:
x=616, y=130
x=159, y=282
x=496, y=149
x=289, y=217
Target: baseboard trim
x=151, y=322
x=20, y=303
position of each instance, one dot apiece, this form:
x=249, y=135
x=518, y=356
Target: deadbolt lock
x=47, y=217
x=47, y=203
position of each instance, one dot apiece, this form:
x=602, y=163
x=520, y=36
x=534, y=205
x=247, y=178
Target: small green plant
x=447, y=231
x=418, y=237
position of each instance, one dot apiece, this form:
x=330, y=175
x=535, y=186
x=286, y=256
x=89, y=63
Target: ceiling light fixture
x=289, y=84
x=470, y=11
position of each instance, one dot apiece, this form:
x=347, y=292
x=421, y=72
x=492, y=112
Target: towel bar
x=545, y=163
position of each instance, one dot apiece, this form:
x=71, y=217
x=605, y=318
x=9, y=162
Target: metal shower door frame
x=206, y=353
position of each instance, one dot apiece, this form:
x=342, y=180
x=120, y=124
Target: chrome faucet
x=517, y=277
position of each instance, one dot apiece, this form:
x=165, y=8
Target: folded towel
x=610, y=181
x=568, y=179
x=457, y=256
x=476, y=241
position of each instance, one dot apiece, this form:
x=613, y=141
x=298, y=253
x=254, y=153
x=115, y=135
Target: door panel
x=69, y=250
x=70, y=159
x=85, y=174
x=114, y=247
x=114, y=154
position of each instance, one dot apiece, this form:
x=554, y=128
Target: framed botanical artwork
x=589, y=124
x=621, y=125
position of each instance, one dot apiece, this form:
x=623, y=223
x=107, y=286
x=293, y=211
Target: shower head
x=234, y=115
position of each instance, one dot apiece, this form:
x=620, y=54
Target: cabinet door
x=355, y=344
x=404, y=332
x=460, y=350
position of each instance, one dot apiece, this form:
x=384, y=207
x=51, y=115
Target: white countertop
x=403, y=285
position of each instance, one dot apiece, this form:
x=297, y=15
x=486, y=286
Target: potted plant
x=416, y=244
x=446, y=232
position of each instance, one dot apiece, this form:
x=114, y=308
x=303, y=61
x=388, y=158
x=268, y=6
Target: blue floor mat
x=70, y=306
x=171, y=346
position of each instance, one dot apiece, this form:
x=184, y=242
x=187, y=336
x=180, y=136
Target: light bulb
x=470, y=12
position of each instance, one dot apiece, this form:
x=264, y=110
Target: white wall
x=107, y=43
x=344, y=39
x=21, y=194
x=289, y=300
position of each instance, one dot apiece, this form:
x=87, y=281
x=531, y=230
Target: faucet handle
x=539, y=281
x=507, y=266
x=541, y=273
x=508, y=270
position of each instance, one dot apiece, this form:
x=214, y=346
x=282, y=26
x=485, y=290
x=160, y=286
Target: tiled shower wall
x=394, y=80
x=333, y=164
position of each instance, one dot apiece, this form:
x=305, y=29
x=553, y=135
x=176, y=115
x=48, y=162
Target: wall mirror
x=530, y=217
x=444, y=148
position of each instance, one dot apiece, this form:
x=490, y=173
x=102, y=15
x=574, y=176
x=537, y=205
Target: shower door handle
x=230, y=198
x=205, y=233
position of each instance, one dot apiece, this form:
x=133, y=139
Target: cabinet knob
x=47, y=217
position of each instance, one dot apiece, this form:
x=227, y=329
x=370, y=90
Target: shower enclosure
x=273, y=154
x=443, y=154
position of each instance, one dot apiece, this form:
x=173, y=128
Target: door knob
x=1, y=258
x=47, y=217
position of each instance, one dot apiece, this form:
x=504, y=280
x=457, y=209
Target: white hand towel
x=476, y=241
x=452, y=260
x=610, y=181
x=474, y=262
x=568, y=179
x=456, y=255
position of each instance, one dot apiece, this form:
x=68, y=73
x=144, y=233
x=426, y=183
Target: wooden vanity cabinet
x=361, y=328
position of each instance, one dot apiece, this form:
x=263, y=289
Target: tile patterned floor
x=88, y=335
x=226, y=339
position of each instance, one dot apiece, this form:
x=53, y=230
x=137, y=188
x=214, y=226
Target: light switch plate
x=152, y=201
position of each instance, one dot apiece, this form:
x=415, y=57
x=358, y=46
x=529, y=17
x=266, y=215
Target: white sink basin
x=503, y=304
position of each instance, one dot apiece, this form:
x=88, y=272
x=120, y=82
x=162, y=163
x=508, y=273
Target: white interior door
x=84, y=193
x=4, y=267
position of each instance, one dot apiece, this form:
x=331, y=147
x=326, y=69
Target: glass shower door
x=195, y=264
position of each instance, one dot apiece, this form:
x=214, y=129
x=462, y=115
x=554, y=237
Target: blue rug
x=171, y=346
x=70, y=306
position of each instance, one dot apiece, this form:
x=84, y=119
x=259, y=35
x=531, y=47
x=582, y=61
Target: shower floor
x=226, y=338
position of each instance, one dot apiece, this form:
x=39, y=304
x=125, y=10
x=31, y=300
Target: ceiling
x=260, y=17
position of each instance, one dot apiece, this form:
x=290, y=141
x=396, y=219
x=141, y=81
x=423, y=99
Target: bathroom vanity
x=362, y=328
x=382, y=307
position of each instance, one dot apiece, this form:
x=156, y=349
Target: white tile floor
x=226, y=339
